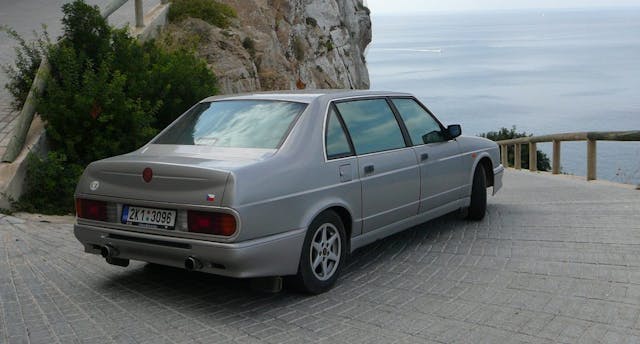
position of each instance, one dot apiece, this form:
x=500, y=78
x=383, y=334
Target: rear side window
x=336, y=139
x=421, y=126
x=234, y=123
x=372, y=125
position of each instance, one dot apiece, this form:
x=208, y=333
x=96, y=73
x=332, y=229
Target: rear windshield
x=234, y=123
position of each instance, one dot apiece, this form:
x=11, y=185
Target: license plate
x=148, y=217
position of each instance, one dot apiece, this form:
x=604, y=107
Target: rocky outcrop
x=285, y=44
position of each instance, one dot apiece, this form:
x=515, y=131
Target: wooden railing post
x=139, y=13
x=533, y=157
x=517, y=156
x=503, y=153
x=591, y=159
x=556, y=157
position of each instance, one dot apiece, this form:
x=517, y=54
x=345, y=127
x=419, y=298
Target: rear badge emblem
x=147, y=174
x=211, y=197
x=94, y=185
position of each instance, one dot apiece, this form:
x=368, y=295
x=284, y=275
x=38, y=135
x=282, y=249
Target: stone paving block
x=619, y=337
x=531, y=272
x=17, y=339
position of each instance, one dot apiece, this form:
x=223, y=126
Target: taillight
x=91, y=209
x=211, y=223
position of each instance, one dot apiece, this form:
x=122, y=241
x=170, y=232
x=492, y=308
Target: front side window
x=234, y=123
x=421, y=126
x=372, y=125
x=336, y=139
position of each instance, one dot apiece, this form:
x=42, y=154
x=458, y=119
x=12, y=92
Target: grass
x=211, y=11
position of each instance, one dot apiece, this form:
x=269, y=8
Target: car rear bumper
x=276, y=255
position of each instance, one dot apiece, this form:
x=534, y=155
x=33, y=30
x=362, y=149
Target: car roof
x=304, y=96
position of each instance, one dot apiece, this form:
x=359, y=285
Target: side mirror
x=454, y=131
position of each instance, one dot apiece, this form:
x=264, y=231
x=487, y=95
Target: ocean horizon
x=543, y=71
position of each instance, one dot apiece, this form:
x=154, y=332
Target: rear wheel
x=478, y=206
x=323, y=254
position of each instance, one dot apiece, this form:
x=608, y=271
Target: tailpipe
x=118, y=261
x=108, y=251
x=192, y=264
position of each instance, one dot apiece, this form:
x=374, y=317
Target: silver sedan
x=282, y=184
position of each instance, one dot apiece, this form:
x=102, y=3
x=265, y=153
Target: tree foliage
x=543, y=163
x=211, y=11
x=28, y=57
x=107, y=94
x=51, y=182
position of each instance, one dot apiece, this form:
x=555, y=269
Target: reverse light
x=91, y=209
x=211, y=223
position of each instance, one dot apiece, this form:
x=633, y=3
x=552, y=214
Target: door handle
x=369, y=169
x=424, y=156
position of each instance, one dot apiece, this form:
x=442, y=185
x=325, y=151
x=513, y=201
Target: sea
x=543, y=71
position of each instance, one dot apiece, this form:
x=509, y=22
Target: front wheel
x=478, y=206
x=323, y=254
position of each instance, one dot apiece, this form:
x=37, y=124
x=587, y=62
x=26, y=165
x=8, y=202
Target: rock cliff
x=285, y=44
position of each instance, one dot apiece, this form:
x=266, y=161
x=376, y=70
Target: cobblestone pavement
x=25, y=16
x=555, y=260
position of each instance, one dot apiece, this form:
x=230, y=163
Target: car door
x=387, y=167
x=441, y=166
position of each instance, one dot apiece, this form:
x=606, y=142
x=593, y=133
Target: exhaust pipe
x=192, y=264
x=108, y=251
x=118, y=261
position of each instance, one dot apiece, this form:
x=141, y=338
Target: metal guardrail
x=37, y=87
x=591, y=137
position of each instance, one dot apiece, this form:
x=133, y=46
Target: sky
x=413, y=6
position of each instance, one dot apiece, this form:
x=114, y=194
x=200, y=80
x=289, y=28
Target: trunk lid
x=180, y=174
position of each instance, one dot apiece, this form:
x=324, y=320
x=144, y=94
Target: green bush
x=107, y=94
x=88, y=105
x=311, y=21
x=28, y=58
x=98, y=118
x=50, y=185
x=249, y=45
x=328, y=44
x=112, y=96
x=298, y=49
x=211, y=11
x=179, y=79
x=86, y=30
x=543, y=163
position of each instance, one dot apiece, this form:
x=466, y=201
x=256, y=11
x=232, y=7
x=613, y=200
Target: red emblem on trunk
x=147, y=174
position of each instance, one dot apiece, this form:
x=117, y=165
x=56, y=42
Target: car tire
x=478, y=207
x=323, y=254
